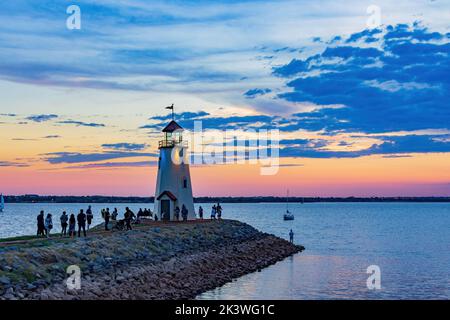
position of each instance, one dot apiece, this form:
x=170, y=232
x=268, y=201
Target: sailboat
x=288, y=215
x=2, y=203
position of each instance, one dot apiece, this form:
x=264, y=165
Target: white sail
x=2, y=203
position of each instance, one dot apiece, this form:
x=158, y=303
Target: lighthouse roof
x=172, y=126
x=167, y=193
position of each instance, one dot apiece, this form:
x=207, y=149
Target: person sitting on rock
x=48, y=225
x=81, y=219
x=184, y=212
x=177, y=213
x=72, y=225
x=64, y=218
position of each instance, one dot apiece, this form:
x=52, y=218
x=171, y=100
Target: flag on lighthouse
x=171, y=108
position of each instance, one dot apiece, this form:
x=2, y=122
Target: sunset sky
x=361, y=110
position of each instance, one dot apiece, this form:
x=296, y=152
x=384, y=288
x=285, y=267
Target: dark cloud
x=402, y=84
x=391, y=145
x=13, y=164
x=256, y=92
x=231, y=123
x=182, y=116
x=52, y=137
x=81, y=124
x=125, y=146
x=23, y=139
x=115, y=165
x=42, y=117
x=75, y=157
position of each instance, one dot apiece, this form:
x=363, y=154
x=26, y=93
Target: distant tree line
x=110, y=199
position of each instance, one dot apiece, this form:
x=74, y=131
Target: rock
x=176, y=261
x=7, y=268
x=5, y=280
x=31, y=287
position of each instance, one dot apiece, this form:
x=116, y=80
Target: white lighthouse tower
x=173, y=185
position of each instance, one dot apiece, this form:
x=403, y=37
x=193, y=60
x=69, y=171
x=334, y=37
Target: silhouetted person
x=213, y=212
x=291, y=236
x=184, y=212
x=107, y=217
x=48, y=225
x=219, y=211
x=114, y=214
x=156, y=217
x=89, y=217
x=200, y=212
x=177, y=213
x=72, y=225
x=81, y=219
x=64, y=218
x=128, y=217
x=41, y=224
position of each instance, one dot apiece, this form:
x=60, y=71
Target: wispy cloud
x=41, y=117
x=76, y=157
x=125, y=146
x=81, y=123
x=13, y=164
x=114, y=165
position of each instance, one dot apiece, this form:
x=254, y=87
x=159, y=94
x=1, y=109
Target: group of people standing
x=216, y=210
x=45, y=225
x=184, y=213
x=84, y=220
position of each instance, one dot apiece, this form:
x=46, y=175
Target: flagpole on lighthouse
x=171, y=108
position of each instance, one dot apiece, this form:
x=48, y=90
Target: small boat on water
x=288, y=215
x=2, y=203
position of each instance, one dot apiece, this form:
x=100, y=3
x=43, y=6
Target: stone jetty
x=153, y=261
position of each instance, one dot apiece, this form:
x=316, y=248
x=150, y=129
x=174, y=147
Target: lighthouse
x=173, y=184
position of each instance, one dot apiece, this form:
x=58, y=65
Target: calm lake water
x=410, y=242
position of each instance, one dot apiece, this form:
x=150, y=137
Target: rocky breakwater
x=157, y=261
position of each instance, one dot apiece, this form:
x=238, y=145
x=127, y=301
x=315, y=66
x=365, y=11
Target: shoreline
x=203, y=199
x=164, y=261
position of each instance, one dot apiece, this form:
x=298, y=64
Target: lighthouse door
x=165, y=210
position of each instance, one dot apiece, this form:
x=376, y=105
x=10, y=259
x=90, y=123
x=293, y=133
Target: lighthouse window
x=185, y=183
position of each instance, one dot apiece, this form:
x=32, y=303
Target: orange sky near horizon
x=419, y=175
